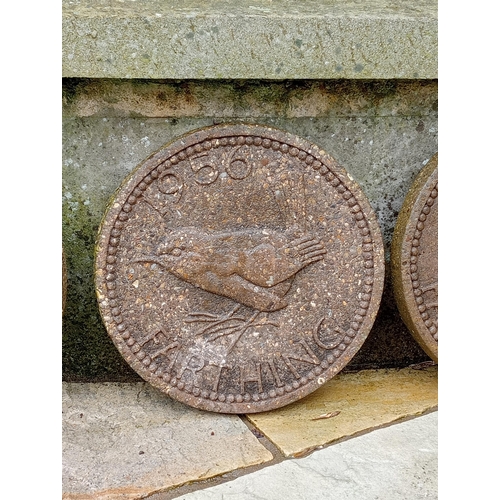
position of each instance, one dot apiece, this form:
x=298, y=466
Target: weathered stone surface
x=127, y=441
x=239, y=268
x=381, y=131
x=248, y=40
x=328, y=99
x=399, y=462
x=347, y=405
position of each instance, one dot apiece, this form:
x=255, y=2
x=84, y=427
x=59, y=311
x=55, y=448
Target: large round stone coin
x=414, y=259
x=239, y=268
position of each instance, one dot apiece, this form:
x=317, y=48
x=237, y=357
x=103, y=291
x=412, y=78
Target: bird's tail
x=290, y=195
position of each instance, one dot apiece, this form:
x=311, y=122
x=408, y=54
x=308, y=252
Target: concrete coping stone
x=250, y=39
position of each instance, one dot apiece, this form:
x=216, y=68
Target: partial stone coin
x=239, y=268
x=414, y=259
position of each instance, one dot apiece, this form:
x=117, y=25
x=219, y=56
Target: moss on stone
x=87, y=351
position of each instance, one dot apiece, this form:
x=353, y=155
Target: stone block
x=245, y=39
x=399, y=462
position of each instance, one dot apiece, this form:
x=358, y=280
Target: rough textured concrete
x=381, y=132
x=397, y=463
x=127, y=441
x=347, y=405
x=250, y=39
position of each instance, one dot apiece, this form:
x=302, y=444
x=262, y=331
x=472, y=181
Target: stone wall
x=379, y=122
x=382, y=132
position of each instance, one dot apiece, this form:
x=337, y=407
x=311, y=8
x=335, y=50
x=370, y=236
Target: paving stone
x=397, y=463
x=127, y=441
x=352, y=403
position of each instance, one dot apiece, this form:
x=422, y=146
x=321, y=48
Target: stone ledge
x=250, y=39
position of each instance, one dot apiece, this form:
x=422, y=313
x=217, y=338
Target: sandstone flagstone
x=127, y=441
x=349, y=404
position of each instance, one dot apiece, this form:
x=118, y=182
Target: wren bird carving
x=253, y=267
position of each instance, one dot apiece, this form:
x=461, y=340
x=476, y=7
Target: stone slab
x=128, y=441
x=357, y=402
x=250, y=39
x=399, y=462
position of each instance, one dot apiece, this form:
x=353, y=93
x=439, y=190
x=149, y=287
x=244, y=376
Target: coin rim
x=168, y=151
x=401, y=246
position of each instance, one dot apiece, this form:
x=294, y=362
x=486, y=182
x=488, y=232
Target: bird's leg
x=234, y=310
x=221, y=326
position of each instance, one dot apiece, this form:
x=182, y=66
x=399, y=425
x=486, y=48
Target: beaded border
x=414, y=254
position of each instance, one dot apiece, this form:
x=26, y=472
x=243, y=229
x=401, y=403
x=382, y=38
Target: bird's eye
x=176, y=252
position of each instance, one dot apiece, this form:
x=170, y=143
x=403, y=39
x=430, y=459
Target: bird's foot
x=240, y=330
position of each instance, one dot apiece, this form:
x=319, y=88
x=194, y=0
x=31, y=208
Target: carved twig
x=221, y=326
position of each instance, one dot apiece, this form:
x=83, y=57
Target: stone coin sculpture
x=414, y=259
x=239, y=268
